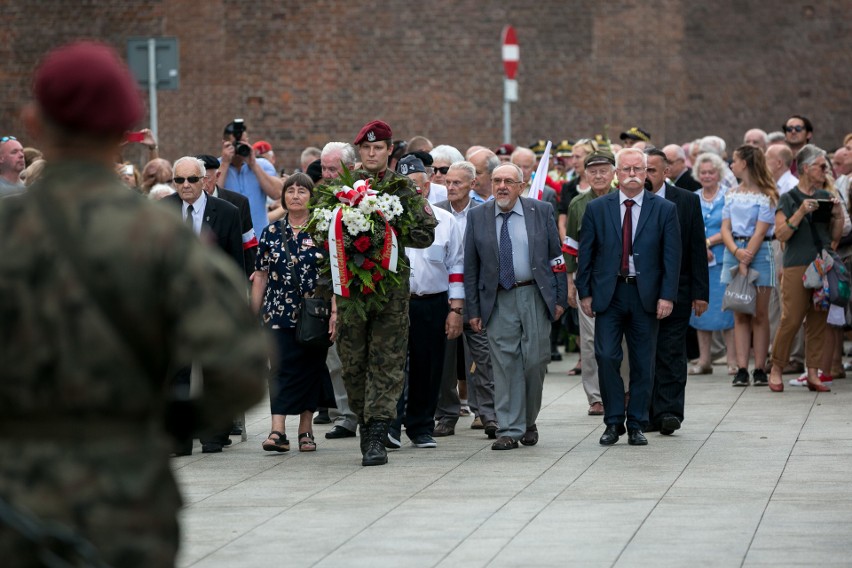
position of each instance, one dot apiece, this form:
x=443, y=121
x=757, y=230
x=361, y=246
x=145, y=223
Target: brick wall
x=303, y=73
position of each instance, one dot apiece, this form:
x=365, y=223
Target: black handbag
x=312, y=314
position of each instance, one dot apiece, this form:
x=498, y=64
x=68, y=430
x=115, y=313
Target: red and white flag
x=540, y=175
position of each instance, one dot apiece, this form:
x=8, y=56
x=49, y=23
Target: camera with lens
x=240, y=148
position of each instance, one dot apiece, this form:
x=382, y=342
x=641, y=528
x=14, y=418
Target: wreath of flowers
x=359, y=223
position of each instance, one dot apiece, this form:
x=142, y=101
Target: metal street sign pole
x=152, y=85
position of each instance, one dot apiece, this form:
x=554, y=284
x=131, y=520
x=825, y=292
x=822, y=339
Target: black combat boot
x=377, y=432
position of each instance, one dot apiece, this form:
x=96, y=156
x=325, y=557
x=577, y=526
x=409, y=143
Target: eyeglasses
x=442, y=169
x=501, y=181
x=793, y=128
x=190, y=179
x=632, y=169
x=6, y=139
x=823, y=167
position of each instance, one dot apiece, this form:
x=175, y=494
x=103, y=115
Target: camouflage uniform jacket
x=82, y=393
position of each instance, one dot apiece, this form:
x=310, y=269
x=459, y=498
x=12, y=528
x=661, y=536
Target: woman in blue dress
x=708, y=170
x=299, y=372
x=748, y=226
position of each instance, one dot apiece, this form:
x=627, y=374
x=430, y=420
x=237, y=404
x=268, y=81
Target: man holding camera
x=246, y=174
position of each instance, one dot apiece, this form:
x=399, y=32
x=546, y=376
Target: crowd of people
x=452, y=279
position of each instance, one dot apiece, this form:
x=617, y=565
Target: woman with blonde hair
x=747, y=229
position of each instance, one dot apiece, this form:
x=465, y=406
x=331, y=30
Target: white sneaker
x=802, y=380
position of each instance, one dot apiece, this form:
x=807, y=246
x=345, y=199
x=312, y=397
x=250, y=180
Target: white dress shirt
x=440, y=267
x=786, y=182
x=197, y=212
x=461, y=216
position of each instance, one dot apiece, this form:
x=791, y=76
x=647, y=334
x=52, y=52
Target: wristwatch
x=457, y=310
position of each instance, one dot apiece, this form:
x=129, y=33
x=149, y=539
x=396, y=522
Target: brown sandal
x=278, y=444
x=306, y=442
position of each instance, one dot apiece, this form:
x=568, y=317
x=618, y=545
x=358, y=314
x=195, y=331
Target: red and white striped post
x=511, y=57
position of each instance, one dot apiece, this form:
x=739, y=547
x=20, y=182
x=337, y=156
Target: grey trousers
x=480, y=381
x=519, y=336
x=342, y=415
x=587, y=357
x=447, y=411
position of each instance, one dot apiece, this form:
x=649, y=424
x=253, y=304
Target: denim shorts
x=763, y=262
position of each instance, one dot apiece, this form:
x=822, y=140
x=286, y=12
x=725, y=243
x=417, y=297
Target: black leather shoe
x=668, y=425
x=491, y=428
x=635, y=437
x=611, y=434
x=339, y=432
x=376, y=453
x=530, y=437
x=211, y=448
x=322, y=417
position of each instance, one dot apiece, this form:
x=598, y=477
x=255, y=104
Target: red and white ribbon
x=337, y=254
x=390, y=248
x=352, y=196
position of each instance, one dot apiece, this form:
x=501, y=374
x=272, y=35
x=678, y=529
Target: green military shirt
x=572, y=226
x=87, y=340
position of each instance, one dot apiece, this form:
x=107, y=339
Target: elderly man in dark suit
x=693, y=293
x=629, y=262
x=515, y=286
x=216, y=221
x=211, y=218
x=241, y=202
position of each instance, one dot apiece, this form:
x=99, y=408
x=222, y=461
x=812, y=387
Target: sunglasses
x=190, y=179
x=6, y=139
x=793, y=128
x=442, y=169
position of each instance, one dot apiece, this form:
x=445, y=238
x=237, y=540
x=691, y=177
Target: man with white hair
x=334, y=156
x=680, y=175
x=757, y=138
x=213, y=220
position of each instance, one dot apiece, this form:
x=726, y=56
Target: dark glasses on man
x=190, y=179
x=793, y=128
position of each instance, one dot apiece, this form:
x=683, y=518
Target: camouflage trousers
x=372, y=354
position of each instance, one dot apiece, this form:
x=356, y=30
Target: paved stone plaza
x=752, y=479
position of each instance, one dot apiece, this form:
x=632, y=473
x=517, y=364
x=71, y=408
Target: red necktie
x=626, y=237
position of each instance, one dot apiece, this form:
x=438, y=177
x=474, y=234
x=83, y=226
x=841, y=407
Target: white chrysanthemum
x=355, y=221
x=369, y=204
x=390, y=206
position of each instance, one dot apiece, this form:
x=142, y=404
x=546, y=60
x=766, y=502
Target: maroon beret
x=504, y=150
x=373, y=131
x=86, y=87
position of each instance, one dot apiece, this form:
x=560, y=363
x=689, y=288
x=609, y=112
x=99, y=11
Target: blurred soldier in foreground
x=101, y=294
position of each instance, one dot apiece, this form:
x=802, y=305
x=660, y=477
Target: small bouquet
x=360, y=224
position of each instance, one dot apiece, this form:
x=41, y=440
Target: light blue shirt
x=745, y=209
x=520, y=241
x=244, y=182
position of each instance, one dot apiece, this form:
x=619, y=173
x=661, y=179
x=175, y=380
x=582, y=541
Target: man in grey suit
x=460, y=181
x=515, y=285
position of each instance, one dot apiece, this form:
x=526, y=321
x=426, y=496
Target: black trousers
x=670, y=378
x=427, y=341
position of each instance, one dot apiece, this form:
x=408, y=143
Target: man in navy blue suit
x=629, y=264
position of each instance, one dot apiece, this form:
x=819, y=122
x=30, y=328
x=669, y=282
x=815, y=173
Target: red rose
x=377, y=276
x=368, y=264
x=362, y=243
x=325, y=244
x=366, y=290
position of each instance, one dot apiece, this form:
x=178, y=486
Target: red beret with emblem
x=374, y=131
x=85, y=86
x=262, y=147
